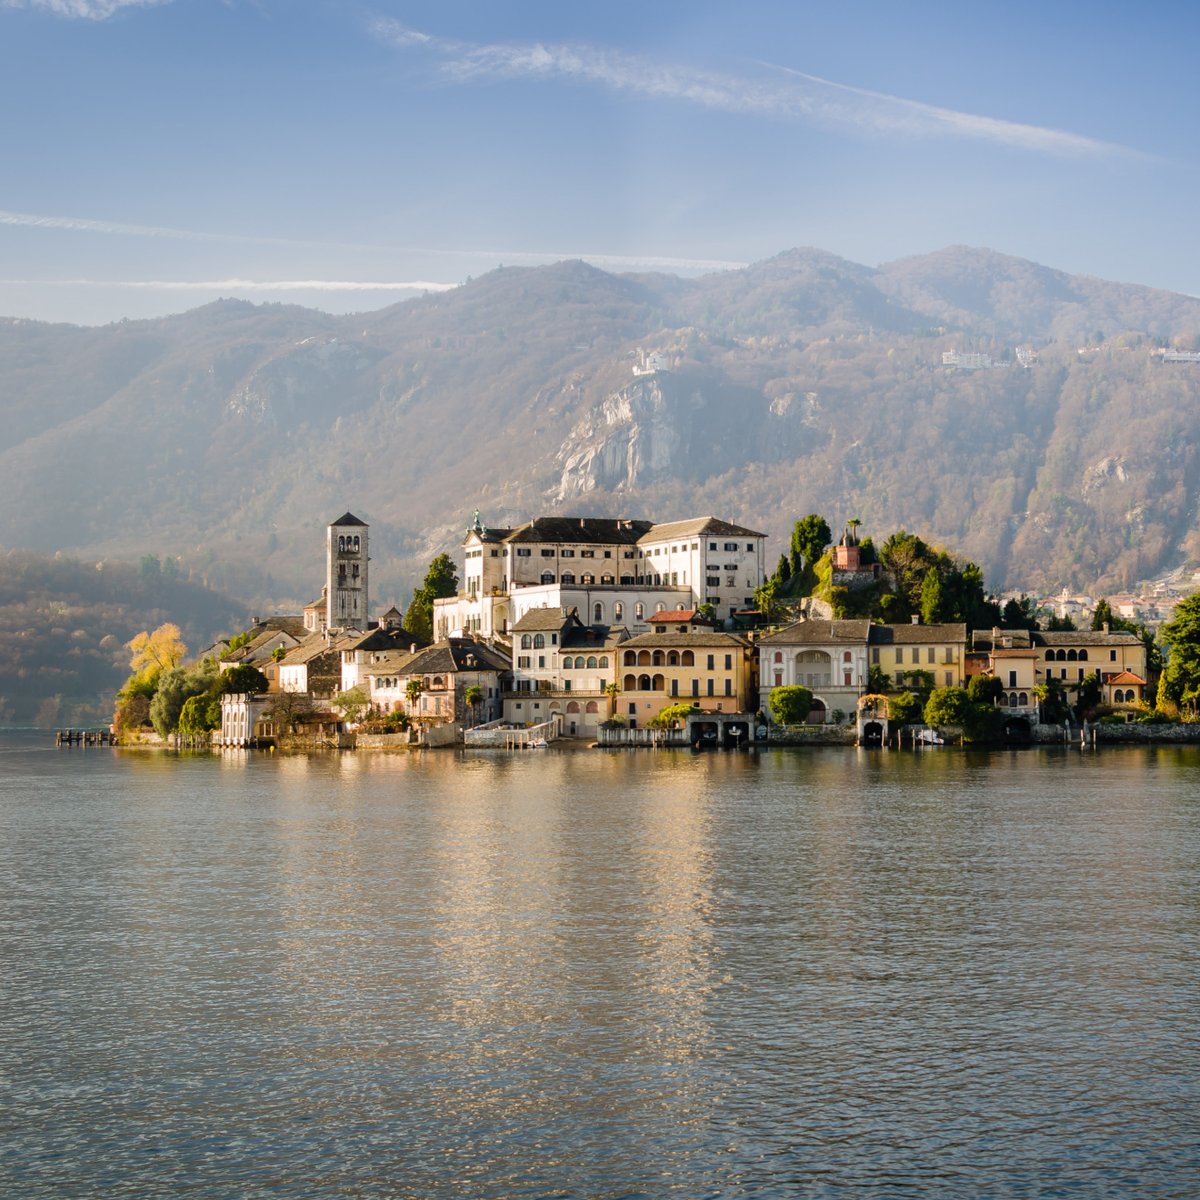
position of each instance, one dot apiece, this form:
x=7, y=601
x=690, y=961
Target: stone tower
x=346, y=562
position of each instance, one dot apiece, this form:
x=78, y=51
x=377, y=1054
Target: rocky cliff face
x=634, y=437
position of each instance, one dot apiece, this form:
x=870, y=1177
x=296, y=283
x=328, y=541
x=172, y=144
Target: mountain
x=228, y=436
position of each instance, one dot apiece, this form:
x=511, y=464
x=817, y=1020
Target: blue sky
x=157, y=155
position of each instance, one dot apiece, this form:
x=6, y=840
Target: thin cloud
x=87, y=10
x=123, y=229
x=787, y=96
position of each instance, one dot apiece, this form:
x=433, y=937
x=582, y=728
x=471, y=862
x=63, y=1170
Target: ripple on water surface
x=600, y=975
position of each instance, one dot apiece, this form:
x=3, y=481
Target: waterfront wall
x=812, y=735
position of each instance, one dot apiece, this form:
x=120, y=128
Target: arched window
x=643, y=658
x=673, y=658
x=847, y=657
x=604, y=662
x=618, y=611
x=598, y=612
x=356, y=545
x=658, y=684
x=631, y=658
x=779, y=656
x=587, y=580
x=1083, y=656
x=568, y=578
x=572, y=706
x=1071, y=655
x=526, y=641
x=341, y=542
x=629, y=684
x=437, y=683
x=643, y=683
x=591, y=661
x=1049, y=655
x=607, y=580
x=639, y=610
x=687, y=659
x=592, y=707
x=539, y=641
x=660, y=607
x=656, y=659
x=1024, y=699
x=547, y=576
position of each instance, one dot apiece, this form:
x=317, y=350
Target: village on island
x=616, y=632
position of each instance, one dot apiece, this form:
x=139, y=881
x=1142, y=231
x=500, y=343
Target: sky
x=158, y=154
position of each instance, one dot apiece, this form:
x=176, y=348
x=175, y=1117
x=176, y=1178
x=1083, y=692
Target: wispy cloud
x=513, y=257
x=778, y=93
x=88, y=10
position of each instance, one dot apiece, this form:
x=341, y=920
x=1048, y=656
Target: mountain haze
x=230, y=435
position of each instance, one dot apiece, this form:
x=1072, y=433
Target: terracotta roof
x=698, y=525
x=808, y=633
x=1124, y=677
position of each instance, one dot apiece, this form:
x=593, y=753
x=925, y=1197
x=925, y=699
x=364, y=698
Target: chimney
x=1106, y=627
x=916, y=618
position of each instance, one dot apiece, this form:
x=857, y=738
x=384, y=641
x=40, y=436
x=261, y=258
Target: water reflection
x=600, y=974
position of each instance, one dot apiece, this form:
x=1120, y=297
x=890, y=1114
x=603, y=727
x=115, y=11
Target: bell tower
x=346, y=562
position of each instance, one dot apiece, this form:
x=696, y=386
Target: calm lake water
x=587, y=974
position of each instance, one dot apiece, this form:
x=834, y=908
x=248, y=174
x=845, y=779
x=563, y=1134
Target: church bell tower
x=346, y=562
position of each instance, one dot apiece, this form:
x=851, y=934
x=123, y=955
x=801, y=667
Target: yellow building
x=912, y=654
x=713, y=670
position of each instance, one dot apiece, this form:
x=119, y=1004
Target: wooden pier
x=83, y=737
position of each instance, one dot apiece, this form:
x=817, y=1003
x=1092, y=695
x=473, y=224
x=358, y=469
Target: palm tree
x=473, y=697
x=612, y=691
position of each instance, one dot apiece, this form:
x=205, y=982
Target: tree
x=947, y=706
x=200, y=714
x=157, y=651
x=1052, y=697
x=1020, y=614
x=612, y=691
x=175, y=687
x=903, y=708
x=351, y=703
x=984, y=689
x=1103, y=616
x=1087, y=694
x=1179, y=683
x=412, y=693
x=810, y=536
x=244, y=679
x=473, y=697
x=931, y=599
x=790, y=705
x=289, y=710
x=668, y=716
x=441, y=580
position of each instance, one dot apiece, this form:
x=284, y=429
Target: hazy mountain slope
x=229, y=435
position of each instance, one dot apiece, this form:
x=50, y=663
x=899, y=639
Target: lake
x=823, y=972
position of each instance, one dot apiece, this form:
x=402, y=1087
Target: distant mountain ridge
x=230, y=434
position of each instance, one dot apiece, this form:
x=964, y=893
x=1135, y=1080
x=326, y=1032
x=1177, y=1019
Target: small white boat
x=930, y=737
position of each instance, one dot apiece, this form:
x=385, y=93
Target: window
x=750, y=547
x=1112, y=656
x=618, y=611
x=639, y=610
x=598, y=612
x=592, y=664
x=729, y=687
x=526, y=641
x=674, y=687
x=587, y=554
x=711, y=659
x=547, y=576
x=712, y=687
x=568, y=578
x=523, y=661
x=931, y=655
x=949, y=678
x=875, y=655
x=731, y=545
x=523, y=552
x=606, y=580
x=899, y=655
x=547, y=553
x=541, y=662
x=712, y=545
x=567, y=553
x=539, y=641
x=729, y=662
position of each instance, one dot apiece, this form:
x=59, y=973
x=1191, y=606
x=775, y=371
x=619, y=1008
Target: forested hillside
x=65, y=625
x=230, y=435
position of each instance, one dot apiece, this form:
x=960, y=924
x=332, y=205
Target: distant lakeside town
x=596, y=630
